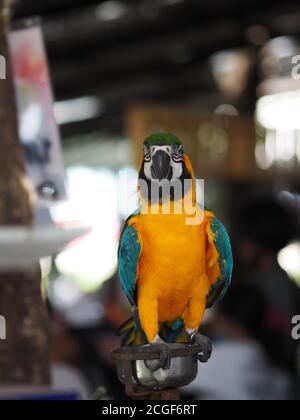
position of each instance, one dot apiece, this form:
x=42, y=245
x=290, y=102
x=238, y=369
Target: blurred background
x=225, y=78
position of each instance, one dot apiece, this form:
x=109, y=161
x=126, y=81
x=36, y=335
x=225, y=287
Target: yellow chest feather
x=172, y=259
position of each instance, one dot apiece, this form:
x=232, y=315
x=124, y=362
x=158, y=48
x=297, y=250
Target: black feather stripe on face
x=147, y=153
x=177, y=158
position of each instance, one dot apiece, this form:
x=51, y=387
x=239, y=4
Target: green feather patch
x=162, y=139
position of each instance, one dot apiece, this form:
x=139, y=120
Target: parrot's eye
x=147, y=154
x=177, y=154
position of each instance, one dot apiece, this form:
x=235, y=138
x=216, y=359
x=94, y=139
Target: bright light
x=286, y=145
x=280, y=111
x=92, y=202
x=262, y=158
x=227, y=110
x=64, y=292
x=271, y=147
x=111, y=10
x=281, y=47
x=230, y=70
x=46, y=265
x=31, y=122
x=289, y=260
x=97, y=198
x=80, y=109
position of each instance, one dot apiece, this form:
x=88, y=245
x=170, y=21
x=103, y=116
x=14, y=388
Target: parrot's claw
x=164, y=361
x=205, y=345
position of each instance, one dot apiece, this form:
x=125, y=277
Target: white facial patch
x=147, y=169
x=176, y=166
x=177, y=169
x=166, y=149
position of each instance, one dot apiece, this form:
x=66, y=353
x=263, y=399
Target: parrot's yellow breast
x=173, y=258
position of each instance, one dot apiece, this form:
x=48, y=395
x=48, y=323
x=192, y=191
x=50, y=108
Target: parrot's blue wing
x=220, y=240
x=128, y=258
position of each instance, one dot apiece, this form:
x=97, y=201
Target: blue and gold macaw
x=175, y=259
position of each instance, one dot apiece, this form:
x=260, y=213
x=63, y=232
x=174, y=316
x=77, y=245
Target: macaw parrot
x=170, y=269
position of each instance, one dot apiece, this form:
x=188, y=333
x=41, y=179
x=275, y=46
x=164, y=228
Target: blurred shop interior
x=224, y=76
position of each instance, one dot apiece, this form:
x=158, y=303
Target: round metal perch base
x=141, y=382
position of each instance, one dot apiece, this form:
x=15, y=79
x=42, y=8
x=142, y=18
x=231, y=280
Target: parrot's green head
x=164, y=160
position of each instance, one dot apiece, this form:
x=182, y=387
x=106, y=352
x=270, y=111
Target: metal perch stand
x=140, y=382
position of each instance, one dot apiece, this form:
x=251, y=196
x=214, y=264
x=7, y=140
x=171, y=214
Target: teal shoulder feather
x=223, y=246
x=128, y=260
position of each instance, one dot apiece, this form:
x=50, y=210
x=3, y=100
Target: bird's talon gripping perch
x=164, y=361
x=205, y=345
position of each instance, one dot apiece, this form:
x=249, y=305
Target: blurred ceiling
x=158, y=50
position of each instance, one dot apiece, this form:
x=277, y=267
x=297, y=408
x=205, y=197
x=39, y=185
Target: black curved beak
x=161, y=168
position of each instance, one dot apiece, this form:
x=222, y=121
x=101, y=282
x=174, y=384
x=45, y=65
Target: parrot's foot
x=164, y=361
x=205, y=345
